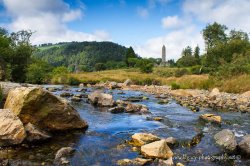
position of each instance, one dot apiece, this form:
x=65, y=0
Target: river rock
x=11, y=128
x=179, y=164
x=168, y=162
x=140, y=139
x=226, y=139
x=170, y=140
x=101, y=99
x=134, y=162
x=128, y=82
x=43, y=109
x=211, y=118
x=117, y=109
x=157, y=149
x=136, y=108
x=66, y=94
x=7, y=86
x=134, y=99
x=62, y=155
x=113, y=85
x=214, y=93
x=185, y=93
x=246, y=94
x=76, y=99
x=244, y=145
x=35, y=134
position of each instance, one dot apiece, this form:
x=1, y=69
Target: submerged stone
x=226, y=139
x=211, y=118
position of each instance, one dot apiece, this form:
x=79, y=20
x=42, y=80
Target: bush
x=1, y=95
x=73, y=81
x=100, y=66
x=196, y=69
x=38, y=72
x=181, y=72
x=148, y=68
x=175, y=86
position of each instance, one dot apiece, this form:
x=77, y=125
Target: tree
x=145, y=65
x=197, y=54
x=129, y=54
x=186, y=61
x=171, y=63
x=214, y=34
x=187, y=51
x=240, y=35
x=38, y=72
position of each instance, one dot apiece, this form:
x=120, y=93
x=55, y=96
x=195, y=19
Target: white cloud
x=142, y=12
x=72, y=15
x=183, y=31
x=174, y=41
x=232, y=13
x=172, y=22
x=49, y=21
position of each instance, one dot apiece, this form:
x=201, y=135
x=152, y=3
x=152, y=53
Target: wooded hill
x=82, y=56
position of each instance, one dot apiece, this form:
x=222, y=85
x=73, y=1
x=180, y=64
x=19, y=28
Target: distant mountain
x=81, y=55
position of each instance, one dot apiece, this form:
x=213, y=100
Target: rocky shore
x=192, y=98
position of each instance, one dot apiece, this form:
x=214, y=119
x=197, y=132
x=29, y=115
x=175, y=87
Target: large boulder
x=140, y=139
x=43, y=109
x=35, y=134
x=244, y=145
x=7, y=86
x=101, y=99
x=12, y=131
x=226, y=139
x=211, y=118
x=157, y=149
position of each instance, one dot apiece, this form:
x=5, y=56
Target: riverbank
x=192, y=98
x=164, y=76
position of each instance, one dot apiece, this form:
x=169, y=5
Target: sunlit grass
x=234, y=85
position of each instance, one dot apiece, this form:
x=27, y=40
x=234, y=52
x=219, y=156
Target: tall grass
x=234, y=85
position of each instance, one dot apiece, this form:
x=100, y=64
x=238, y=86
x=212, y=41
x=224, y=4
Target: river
x=104, y=142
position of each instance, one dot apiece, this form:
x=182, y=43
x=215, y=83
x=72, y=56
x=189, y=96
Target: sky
x=145, y=25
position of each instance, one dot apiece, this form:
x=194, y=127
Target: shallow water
x=105, y=140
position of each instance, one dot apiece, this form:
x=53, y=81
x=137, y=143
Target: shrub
x=196, y=69
x=181, y=72
x=73, y=81
x=148, y=68
x=100, y=66
x=175, y=86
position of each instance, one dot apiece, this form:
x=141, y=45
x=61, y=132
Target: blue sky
x=143, y=24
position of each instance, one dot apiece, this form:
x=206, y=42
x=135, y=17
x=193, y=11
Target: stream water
x=105, y=140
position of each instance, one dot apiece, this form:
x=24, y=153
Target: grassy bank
x=233, y=85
